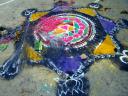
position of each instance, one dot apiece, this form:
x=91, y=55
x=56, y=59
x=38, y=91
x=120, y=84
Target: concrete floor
x=105, y=78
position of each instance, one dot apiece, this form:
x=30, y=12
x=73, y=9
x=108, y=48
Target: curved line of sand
x=6, y=2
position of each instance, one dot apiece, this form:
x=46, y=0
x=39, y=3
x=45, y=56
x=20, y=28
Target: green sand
x=105, y=78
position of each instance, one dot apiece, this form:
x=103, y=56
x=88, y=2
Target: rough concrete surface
x=105, y=78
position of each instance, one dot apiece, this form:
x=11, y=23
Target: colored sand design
x=65, y=36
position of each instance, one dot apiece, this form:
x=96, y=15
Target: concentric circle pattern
x=71, y=29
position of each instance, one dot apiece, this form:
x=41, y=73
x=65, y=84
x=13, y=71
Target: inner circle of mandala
x=73, y=30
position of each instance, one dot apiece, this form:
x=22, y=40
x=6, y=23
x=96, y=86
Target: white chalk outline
x=6, y=2
x=96, y=1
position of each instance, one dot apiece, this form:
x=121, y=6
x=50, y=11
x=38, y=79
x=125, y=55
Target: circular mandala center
x=71, y=29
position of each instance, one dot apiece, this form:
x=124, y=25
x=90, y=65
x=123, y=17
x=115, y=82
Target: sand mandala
x=67, y=40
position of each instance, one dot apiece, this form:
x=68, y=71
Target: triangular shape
x=36, y=16
x=108, y=25
x=70, y=33
x=71, y=28
x=87, y=11
x=106, y=47
x=76, y=26
x=32, y=54
x=59, y=31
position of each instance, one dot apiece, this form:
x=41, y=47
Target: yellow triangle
x=32, y=54
x=71, y=28
x=106, y=47
x=36, y=16
x=87, y=11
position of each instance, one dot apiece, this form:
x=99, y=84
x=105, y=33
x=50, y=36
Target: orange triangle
x=59, y=31
x=106, y=47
